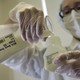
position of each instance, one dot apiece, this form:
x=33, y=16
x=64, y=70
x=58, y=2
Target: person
x=69, y=63
x=30, y=61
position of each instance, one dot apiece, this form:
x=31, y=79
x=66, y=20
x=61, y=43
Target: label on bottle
x=10, y=45
x=7, y=41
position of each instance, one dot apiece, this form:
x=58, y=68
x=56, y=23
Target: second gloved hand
x=69, y=63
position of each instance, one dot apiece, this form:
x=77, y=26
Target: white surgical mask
x=72, y=23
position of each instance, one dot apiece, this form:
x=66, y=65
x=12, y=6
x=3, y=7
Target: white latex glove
x=69, y=63
x=30, y=21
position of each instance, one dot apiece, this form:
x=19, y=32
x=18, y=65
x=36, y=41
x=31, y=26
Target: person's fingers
x=28, y=35
x=70, y=69
x=21, y=19
x=34, y=11
x=74, y=70
x=22, y=30
x=65, y=58
x=60, y=60
x=74, y=55
x=31, y=29
x=24, y=22
x=33, y=23
x=69, y=63
x=63, y=68
x=61, y=63
x=40, y=24
x=24, y=17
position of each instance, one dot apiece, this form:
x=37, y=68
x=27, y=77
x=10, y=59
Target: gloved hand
x=31, y=24
x=30, y=21
x=69, y=63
